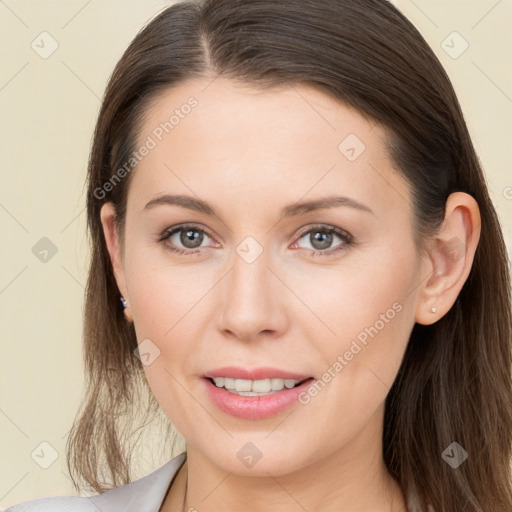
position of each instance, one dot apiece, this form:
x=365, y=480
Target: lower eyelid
x=344, y=236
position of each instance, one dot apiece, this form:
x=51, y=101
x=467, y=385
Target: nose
x=252, y=300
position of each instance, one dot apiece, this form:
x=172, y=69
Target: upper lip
x=235, y=372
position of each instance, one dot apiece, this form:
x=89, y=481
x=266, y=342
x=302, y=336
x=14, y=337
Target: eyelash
x=347, y=239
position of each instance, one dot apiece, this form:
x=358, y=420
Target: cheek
x=364, y=316
x=164, y=294
x=359, y=310
x=165, y=313
x=168, y=304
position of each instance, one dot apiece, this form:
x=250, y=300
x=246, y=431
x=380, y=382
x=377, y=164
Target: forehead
x=244, y=110
x=231, y=138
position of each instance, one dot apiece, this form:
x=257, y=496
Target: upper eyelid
x=325, y=227
x=183, y=227
x=301, y=232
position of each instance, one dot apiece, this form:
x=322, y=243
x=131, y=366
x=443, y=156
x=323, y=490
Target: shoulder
x=56, y=504
x=143, y=495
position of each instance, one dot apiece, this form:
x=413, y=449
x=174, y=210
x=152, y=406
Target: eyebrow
x=198, y=205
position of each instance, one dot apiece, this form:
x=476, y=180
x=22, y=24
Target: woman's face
x=252, y=288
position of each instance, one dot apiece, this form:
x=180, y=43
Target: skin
x=250, y=153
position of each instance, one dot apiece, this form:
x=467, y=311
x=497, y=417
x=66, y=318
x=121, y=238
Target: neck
x=351, y=479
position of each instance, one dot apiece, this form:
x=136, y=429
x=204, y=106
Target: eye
x=188, y=239
x=322, y=237
x=184, y=239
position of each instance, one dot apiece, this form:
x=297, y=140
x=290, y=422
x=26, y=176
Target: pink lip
x=255, y=407
x=234, y=372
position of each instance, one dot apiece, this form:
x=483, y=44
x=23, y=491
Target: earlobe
x=126, y=309
x=107, y=216
x=450, y=254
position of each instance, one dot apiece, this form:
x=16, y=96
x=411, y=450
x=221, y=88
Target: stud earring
x=126, y=309
x=433, y=310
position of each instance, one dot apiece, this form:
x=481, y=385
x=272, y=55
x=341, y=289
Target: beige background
x=48, y=109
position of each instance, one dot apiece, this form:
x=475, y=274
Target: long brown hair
x=454, y=383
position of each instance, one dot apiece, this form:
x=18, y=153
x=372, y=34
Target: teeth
x=254, y=386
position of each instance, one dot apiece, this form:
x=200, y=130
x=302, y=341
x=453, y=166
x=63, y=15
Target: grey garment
x=143, y=495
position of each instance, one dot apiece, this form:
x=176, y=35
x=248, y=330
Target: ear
x=450, y=257
x=107, y=216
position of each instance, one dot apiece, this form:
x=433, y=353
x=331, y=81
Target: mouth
x=261, y=387
x=254, y=399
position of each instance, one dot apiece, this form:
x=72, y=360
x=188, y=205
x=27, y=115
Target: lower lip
x=254, y=407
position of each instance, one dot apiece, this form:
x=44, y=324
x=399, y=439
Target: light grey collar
x=145, y=494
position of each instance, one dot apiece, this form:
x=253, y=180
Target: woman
x=294, y=251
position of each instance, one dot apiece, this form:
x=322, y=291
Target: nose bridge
x=249, y=278
x=249, y=292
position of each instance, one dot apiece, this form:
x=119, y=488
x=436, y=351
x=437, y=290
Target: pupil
x=322, y=238
x=191, y=238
